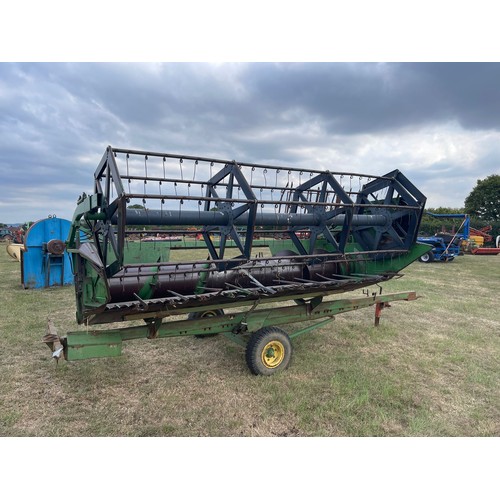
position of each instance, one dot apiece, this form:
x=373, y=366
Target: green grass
x=430, y=369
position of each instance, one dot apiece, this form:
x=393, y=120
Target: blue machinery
x=44, y=260
x=445, y=247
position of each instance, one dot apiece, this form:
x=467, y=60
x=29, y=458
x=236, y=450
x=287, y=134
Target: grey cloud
x=361, y=98
x=56, y=119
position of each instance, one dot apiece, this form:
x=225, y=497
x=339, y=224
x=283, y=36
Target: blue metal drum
x=44, y=259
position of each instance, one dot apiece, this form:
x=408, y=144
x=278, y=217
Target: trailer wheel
x=268, y=351
x=206, y=314
x=427, y=257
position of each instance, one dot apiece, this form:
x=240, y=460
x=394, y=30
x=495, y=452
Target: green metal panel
x=84, y=346
x=139, y=252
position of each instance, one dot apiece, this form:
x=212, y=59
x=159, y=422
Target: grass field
x=432, y=368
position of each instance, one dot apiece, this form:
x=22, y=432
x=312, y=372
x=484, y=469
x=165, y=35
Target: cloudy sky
x=439, y=123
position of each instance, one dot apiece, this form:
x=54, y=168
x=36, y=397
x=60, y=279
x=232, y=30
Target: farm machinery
x=483, y=237
x=246, y=248
x=11, y=235
x=446, y=246
x=42, y=254
x=6, y=235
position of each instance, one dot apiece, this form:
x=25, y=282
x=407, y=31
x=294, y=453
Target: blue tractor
x=445, y=247
x=441, y=249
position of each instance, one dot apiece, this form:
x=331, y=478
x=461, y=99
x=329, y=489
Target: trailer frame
x=246, y=328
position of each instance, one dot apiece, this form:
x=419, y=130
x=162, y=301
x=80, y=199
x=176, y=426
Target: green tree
x=432, y=225
x=484, y=200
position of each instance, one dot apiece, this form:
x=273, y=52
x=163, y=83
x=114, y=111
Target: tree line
x=482, y=205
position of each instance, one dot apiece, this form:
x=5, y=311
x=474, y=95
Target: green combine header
x=257, y=246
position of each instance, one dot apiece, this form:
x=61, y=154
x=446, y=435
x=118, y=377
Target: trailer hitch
x=57, y=345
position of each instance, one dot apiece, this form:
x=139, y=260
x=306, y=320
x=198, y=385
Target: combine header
x=233, y=244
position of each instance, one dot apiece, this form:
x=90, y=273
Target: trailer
x=275, y=242
x=486, y=251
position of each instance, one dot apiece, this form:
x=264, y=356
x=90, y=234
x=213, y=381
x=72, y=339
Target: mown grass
x=430, y=369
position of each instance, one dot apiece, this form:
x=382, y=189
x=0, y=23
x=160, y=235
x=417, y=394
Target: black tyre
x=427, y=257
x=268, y=351
x=206, y=314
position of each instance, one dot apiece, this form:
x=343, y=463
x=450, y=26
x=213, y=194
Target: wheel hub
x=273, y=354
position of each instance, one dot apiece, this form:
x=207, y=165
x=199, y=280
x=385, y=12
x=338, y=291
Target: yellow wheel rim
x=273, y=354
x=208, y=314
